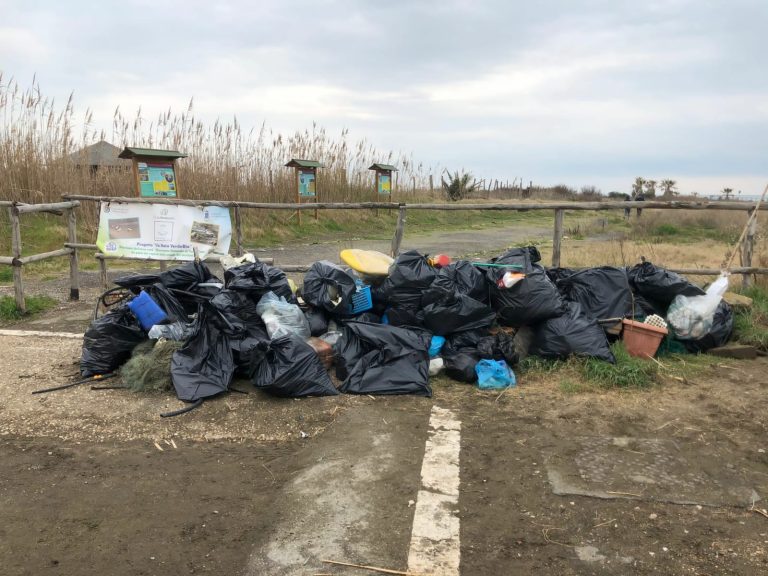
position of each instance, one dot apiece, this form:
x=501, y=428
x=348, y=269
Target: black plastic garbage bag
x=204, y=366
x=380, y=359
x=238, y=310
x=109, y=341
x=718, y=335
x=572, y=333
x=456, y=313
x=500, y=346
x=531, y=300
x=462, y=277
x=371, y=317
x=534, y=299
x=461, y=365
x=168, y=302
x=465, y=339
x=318, y=322
x=289, y=367
x=348, y=350
x=256, y=279
x=556, y=274
x=404, y=316
x=137, y=281
x=659, y=286
x=242, y=350
x=602, y=292
x=645, y=307
x=329, y=287
x=409, y=276
x=187, y=276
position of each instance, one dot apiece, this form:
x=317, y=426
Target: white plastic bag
x=691, y=317
x=282, y=317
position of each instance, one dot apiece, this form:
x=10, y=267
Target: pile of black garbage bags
x=253, y=324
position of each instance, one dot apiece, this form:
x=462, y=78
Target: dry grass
x=688, y=226
x=226, y=161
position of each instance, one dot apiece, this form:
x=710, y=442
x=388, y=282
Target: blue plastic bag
x=435, y=345
x=494, y=374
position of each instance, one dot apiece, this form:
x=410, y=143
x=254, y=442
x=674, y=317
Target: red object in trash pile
x=440, y=260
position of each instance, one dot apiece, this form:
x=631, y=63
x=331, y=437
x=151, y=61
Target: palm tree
x=669, y=187
x=459, y=185
x=727, y=192
x=650, y=188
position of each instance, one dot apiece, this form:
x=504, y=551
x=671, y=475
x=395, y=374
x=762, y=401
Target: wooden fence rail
x=72, y=201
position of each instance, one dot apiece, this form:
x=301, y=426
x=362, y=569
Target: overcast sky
x=554, y=91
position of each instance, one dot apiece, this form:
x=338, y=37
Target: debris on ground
x=387, y=333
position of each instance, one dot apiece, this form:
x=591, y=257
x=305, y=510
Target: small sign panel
x=307, y=183
x=385, y=183
x=157, y=179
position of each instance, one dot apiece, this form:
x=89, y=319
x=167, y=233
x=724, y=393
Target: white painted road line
x=435, y=547
x=40, y=334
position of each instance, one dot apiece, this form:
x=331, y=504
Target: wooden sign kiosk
x=154, y=171
x=383, y=178
x=305, y=172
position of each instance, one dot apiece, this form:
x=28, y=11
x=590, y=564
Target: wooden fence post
x=398, y=237
x=74, y=273
x=18, y=280
x=558, y=238
x=103, y=273
x=238, y=231
x=747, y=249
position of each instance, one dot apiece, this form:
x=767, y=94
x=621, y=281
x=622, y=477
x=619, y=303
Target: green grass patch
x=6, y=274
x=628, y=372
x=534, y=365
x=666, y=230
x=751, y=325
x=35, y=305
x=580, y=375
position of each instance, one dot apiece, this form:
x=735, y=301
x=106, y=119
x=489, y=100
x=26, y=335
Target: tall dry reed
x=39, y=142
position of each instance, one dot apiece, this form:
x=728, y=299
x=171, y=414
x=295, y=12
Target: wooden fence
x=17, y=261
x=558, y=208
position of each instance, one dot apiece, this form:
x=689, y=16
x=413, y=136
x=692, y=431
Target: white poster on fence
x=163, y=231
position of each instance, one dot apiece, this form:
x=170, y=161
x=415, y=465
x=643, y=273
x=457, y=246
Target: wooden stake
x=399, y=229
x=748, y=248
x=753, y=215
x=558, y=238
x=373, y=568
x=18, y=280
x=238, y=232
x=103, y=272
x=74, y=274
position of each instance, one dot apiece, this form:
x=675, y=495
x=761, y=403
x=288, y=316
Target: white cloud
x=553, y=91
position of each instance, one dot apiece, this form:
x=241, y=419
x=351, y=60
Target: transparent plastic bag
x=282, y=317
x=691, y=317
x=178, y=331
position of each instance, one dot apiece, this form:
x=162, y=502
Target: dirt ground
x=86, y=489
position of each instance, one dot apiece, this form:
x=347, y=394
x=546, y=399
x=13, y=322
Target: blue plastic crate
x=361, y=299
